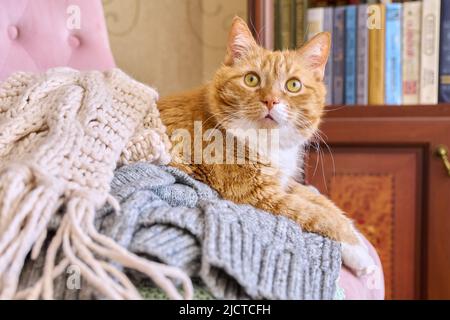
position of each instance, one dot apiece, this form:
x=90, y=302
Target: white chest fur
x=284, y=153
x=286, y=160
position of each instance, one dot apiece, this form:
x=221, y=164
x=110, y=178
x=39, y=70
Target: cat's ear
x=314, y=54
x=240, y=41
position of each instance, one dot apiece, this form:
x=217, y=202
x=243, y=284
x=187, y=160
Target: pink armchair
x=37, y=34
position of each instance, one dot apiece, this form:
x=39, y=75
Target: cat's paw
x=357, y=259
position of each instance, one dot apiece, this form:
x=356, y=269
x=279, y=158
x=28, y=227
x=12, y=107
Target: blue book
x=362, y=53
x=393, y=54
x=350, y=54
x=338, y=55
x=444, y=55
x=328, y=26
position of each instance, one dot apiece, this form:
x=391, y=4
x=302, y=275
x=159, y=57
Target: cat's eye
x=293, y=85
x=252, y=80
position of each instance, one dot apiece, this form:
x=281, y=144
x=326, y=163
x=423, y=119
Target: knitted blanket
x=238, y=252
x=61, y=135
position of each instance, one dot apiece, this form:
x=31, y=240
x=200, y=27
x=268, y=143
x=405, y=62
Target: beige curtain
x=172, y=45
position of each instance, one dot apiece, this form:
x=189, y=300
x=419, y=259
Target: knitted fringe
x=28, y=202
x=61, y=135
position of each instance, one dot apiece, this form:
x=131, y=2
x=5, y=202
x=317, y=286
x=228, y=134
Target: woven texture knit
x=238, y=251
x=62, y=134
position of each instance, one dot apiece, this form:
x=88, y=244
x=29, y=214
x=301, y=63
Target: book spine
x=362, y=65
x=338, y=54
x=350, y=55
x=285, y=24
x=277, y=10
x=315, y=21
x=430, y=52
x=328, y=79
x=293, y=24
x=444, y=64
x=412, y=21
x=300, y=19
x=393, y=54
x=376, y=24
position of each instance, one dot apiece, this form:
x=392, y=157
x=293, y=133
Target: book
x=393, y=54
x=277, y=25
x=376, y=24
x=293, y=24
x=444, y=64
x=412, y=21
x=286, y=24
x=338, y=54
x=350, y=55
x=282, y=23
x=315, y=21
x=429, y=66
x=319, y=20
x=362, y=58
x=328, y=79
x=301, y=8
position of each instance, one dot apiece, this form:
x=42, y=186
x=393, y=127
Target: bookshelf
x=385, y=172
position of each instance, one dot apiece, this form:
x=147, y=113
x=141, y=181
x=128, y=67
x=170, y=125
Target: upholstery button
x=74, y=41
x=13, y=32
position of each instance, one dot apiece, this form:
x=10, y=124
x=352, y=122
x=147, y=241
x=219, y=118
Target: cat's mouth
x=269, y=121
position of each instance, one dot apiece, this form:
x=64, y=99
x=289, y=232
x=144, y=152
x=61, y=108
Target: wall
x=170, y=44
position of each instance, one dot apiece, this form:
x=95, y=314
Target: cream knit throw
x=62, y=134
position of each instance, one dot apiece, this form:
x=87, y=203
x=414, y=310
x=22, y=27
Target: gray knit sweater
x=237, y=251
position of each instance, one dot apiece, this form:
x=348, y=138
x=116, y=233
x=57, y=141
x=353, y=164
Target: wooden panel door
x=380, y=189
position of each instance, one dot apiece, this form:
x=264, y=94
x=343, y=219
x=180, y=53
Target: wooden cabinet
x=384, y=172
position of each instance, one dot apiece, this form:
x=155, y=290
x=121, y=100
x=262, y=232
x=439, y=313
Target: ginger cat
x=259, y=89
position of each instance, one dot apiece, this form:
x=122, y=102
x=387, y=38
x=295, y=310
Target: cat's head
x=257, y=88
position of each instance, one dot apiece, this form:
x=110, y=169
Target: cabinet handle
x=442, y=152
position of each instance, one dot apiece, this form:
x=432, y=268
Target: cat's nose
x=271, y=102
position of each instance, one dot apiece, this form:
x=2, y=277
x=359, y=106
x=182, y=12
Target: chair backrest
x=39, y=34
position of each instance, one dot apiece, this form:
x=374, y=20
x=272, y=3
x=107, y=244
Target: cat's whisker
x=318, y=139
x=303, y=124
x=224, y=113
x=335, y=108
x=316, y=144
x=319, y=133
x=217, y=114
x=220, y=123
x=323, y=170
x=317, y=157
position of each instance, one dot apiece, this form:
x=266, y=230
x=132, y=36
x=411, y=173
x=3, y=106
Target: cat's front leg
x=355, y=256
x=313, y=212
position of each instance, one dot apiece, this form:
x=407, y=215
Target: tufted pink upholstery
x=34, y=36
